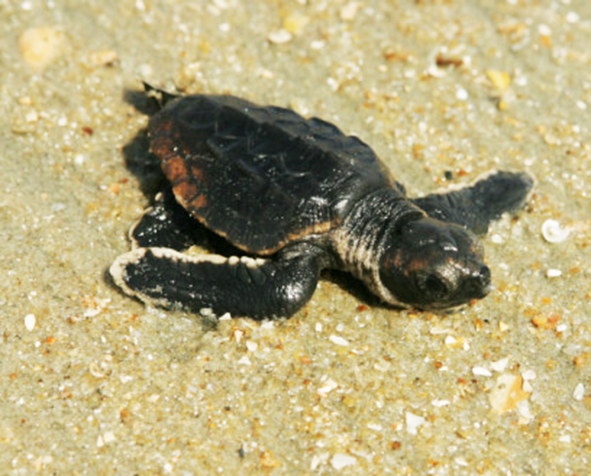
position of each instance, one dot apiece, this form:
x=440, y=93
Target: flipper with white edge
x=241, y=286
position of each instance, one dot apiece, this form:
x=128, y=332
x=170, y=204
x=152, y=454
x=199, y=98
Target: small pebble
x=251, y=346
x=328, y=387
x=440, y=403
x=544, y=29
x=449, y=340
x=317, y=460
x=268, y=460
x=104, y=57
x=524, y=411
x=496, y=239
x=295, y=23
x=349, y=11
x=461, y=94
x=32, y=116
x=30, y=322
x=553, y=273
x=553, y=232
x=317, y=44
x=572, y=17
x=529, y=374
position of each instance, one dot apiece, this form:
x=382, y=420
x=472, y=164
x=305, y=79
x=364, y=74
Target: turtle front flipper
x=166, y=225
x=258, y=288
x=479, y=204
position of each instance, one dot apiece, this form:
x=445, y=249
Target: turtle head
x=431, y=264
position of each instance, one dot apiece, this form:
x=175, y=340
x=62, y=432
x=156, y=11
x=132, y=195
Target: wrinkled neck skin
x=361, y=240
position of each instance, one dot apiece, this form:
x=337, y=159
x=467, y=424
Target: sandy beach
x=93, y=382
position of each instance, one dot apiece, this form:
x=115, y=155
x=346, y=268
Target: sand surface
x=92, y=382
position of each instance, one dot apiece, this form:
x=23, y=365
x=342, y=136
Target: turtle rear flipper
x=244, y=286
x=481, y=203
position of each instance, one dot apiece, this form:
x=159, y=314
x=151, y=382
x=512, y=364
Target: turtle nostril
x=478, y=285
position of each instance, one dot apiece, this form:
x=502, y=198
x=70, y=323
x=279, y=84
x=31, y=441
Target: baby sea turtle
x=296, y=196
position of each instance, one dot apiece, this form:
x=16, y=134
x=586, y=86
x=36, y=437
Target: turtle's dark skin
x=296, y=196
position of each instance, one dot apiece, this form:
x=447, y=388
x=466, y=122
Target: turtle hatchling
x=297, y=196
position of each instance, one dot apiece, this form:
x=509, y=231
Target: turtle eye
x=434, y=286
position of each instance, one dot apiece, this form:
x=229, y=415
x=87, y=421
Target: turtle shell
x=261, y=176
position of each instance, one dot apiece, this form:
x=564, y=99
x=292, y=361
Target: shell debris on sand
x=41, y=46
x=507, y=393
x=501, y=80
x=341, y=460
x=553, y=232
x=280, y=36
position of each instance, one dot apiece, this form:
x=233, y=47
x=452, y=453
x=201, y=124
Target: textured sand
x=94, y=383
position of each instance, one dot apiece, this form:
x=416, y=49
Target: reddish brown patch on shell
x=187, y=193
x=197, y=173
x=165, y=140
x=162, y=146
x=175, y=169
x=198, y=202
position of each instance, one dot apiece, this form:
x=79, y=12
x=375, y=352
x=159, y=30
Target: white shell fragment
x=341, y=460
x=553, y=273
x=338, y=340
x=30, y=322
x=553, y=232
x=500, y=365
x=280, y=36
x=579, y=392
x=481, y=371
x=440, y=403
x=413, y=422
x=328, y=387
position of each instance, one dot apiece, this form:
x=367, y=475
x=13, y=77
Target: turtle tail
x=159, y=95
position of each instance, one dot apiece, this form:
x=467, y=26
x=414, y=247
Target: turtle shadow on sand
x=136, y=153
